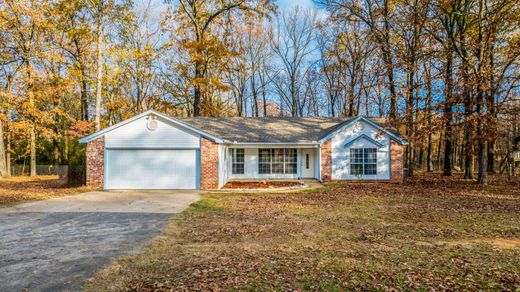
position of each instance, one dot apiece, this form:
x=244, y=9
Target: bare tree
x=292, y=43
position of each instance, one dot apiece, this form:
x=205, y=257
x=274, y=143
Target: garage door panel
x=151, y=169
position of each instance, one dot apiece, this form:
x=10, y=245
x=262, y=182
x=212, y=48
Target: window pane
x=356, y=155
x=356, y=169
x=237, y=161
x=307, y=161
x=264, y=161
x=370, y=169
x=238, y=169
x=277, y=158
x=370, y=155
x=291, y=161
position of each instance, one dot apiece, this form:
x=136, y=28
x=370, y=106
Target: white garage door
x=151, y=169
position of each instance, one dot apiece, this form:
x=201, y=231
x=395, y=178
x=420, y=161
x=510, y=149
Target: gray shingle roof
x=267, y=130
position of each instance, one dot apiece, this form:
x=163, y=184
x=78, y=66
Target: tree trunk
x=429, y=97
x=99, y=75
x=265, y=103
x=481, y=94
x=468, y=141
x=8, y=145
x=4, y=170
x=351, y=101
x=3, y=166
x=55, y=152
x=409, y=119
x=255, y=95
x=491, y=157
x=197, y=91
x=32, y=130
x=429, y=162
x=448, y=115
x=492, y=129
x=65, y=155
x=439, y=147
x=388, y=60
x=84, y=95
x=482, y=157
x=33, y=150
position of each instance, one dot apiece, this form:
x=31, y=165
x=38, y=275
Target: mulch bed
x=260, y=184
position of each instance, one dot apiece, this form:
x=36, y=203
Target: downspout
x=319, y=163
x=300, y=166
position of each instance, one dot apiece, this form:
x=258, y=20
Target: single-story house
x=155, y=151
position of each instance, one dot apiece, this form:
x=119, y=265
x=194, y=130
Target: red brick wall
x=396, y=162
x=208, y=165
x=95, y=162
x=326, y=161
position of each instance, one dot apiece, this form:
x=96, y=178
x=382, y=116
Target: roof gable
x=363, y=137
x=144, y=114
x=394, y=136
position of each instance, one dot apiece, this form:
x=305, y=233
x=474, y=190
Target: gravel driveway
x=56, y=244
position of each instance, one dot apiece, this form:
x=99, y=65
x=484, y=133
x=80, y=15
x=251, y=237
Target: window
x=277, y=161
x=363, y=161
x=237, y=156
x=307, y=161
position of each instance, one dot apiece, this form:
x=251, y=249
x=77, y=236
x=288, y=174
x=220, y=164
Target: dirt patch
x=261, y=184
x=502, y=243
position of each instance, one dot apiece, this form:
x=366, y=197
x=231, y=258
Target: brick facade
x=326, y=161
x=95, y=162
x=396, y=162
x=208, y=165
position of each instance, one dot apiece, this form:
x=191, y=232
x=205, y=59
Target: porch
x=269, y=162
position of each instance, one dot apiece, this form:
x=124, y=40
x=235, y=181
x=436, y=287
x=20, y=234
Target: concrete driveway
x=56, y=244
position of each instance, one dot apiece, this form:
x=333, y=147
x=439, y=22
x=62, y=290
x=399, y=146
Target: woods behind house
x=445, y=73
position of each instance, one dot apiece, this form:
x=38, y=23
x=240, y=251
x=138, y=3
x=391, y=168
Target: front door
x=307, y=163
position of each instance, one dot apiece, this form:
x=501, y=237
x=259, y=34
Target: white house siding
x=137, y=135
x=223, y=165
x=341, y=154
x=251, y=166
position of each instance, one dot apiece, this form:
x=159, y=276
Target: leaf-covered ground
x=18, y=189
x=431, y=232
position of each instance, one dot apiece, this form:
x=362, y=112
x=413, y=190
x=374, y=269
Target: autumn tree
x=198, y=23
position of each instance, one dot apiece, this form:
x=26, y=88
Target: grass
x=432, y=232
x=18, y=189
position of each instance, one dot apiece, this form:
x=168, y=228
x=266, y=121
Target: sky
x=282, y=4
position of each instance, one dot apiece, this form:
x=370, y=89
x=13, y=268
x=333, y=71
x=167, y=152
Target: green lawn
x=430, y=232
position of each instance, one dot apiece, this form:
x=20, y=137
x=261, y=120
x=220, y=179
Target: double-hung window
x=363, y=161
x=277, y=161
x=237, y=161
